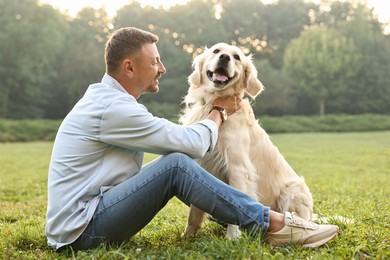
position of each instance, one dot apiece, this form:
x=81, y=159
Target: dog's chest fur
x=234, y=136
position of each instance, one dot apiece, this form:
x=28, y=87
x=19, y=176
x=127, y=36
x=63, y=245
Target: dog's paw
x=233, y=232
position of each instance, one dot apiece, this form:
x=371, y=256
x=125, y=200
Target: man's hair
x=123, y=43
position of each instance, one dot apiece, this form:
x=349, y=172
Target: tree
x=278, y=98
x=48, y=59
x=30, y=37
x=369, y=90
x=322, y=61
x=81, y=61
x=284, y=20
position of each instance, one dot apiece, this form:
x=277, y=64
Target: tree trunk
x=4, y=105
x=322, y=107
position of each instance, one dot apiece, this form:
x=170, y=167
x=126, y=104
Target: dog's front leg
x=243, y=178
x=195, y=219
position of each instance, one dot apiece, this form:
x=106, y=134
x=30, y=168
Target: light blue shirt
x=100, y=144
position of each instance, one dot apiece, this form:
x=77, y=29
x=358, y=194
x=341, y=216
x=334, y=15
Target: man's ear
x=128, y=66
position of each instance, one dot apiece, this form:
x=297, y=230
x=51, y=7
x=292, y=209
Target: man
x=97, y=190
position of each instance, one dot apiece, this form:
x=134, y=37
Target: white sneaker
x=300, y=231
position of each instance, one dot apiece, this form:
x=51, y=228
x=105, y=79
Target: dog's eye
x=237, y=57
x=216, y=51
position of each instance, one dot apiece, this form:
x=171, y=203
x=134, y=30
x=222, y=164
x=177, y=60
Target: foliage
x=348, y=174
x=45, y=130
x=28, y=130
x=279, y=97
x=28, y=48
x=322, y=61
x=285, y=20
x=81, y=63
x=369, y=89
x=48, y=59
x=328, y=123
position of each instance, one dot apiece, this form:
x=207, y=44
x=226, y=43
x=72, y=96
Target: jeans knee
x=178, y=157
x=181, y=159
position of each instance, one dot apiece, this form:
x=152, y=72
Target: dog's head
x=225, y=69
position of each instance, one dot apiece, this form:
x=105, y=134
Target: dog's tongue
x=219, y=77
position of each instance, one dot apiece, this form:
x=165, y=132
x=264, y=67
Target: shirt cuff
x=212, y=126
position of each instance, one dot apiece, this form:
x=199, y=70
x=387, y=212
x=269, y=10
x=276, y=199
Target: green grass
x=348, y=174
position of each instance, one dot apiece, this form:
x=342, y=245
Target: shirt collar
x=107, y=79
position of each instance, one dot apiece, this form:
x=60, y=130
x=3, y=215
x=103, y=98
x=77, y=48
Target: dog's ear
x=253, y=84
x=195, y=79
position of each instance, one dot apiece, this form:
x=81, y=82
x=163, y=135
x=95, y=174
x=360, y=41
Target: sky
x=381, y=7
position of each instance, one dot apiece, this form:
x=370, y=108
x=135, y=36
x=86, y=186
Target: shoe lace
x=297, y=221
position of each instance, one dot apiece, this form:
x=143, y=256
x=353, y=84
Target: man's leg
x=126, y=208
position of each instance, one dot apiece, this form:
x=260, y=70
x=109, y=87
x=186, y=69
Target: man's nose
x=162, y=68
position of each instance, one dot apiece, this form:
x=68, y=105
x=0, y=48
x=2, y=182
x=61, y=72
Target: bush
x=28, y=130
x=329, y=123
x=45, y=130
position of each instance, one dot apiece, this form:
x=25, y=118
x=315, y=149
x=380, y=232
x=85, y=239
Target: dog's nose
x=224, y=57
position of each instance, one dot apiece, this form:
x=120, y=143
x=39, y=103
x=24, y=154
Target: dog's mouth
x=219, y=77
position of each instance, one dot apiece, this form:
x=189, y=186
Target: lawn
x=348, y=174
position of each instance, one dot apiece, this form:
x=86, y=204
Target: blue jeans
x=128, y=207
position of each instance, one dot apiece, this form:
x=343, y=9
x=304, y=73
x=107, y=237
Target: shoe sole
x=321, y=242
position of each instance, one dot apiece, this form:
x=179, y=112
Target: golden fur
x=244, y=156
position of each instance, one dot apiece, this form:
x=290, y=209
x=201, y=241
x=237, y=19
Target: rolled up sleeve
x=137, y=129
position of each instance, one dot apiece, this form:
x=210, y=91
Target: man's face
x=149, y=68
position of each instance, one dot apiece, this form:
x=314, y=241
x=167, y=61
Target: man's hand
x=230, y=103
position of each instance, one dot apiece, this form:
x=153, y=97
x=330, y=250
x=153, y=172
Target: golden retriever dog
x=244, y=156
